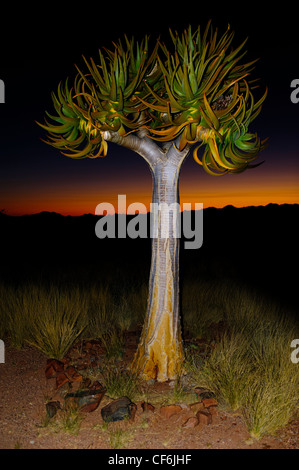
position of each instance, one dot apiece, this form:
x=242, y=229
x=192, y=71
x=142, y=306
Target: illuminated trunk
x=160, y=351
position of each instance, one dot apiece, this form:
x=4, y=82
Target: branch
x=140, y=144
x=175, y=155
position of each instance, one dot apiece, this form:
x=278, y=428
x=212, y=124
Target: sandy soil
x=24, y=391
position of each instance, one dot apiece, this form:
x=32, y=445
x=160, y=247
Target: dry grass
x=249, y=368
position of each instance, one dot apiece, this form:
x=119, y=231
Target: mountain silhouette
x=255, y=244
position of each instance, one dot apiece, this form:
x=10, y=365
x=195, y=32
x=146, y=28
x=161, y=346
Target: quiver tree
x=159, y=103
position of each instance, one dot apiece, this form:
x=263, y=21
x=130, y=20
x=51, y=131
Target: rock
x=197, y=406
x=61, y=379
x=204, y=417
x=66, y=360
x=73, y=375
x=184, y=406
x=86, y=383
x=96, y=385
x=209, y=402
x=213, y=410
x=52, y=407
x=53, y=368
x=85, y=400
x=133, y=409
x=191, y=422
x=118, y=410
x=147, y=407
x=170, y=410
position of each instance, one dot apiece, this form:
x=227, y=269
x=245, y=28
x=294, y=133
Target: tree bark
x=160, y=352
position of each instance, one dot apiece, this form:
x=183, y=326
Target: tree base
x=159, y=359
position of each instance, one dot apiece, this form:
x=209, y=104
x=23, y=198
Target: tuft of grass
x=100, y=310
x=57, y=319
x=67, y=420
x=15, y=311
x=225, y=369
x=71, y=421
x=253, y=373
x=272, y=397
x=120, y=382
x=113, y=342
x=119, y=438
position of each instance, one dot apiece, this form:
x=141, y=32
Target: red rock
x=197, y=406
x=204, y=417
x=61, y=379
x=94, y=403
x=73, y=375
x=213, y=410
x=96, y=385
x=66, y=360
x=170, y=410
x=147, y=407
x=191, y=422
x=209, y=402
x=53, y=368
x=86, y=383
x=85, y=400
x=50, y=372
x=133, y=409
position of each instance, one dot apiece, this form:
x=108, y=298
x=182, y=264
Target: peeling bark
x=160, y=352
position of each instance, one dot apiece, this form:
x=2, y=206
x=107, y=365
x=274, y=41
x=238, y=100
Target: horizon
x=46, y=212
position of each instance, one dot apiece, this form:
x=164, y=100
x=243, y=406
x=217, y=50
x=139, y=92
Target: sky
x=39, y=48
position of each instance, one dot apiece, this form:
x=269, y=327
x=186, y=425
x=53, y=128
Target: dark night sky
x=40, y=47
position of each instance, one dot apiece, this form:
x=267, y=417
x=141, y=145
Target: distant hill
x=229, y=207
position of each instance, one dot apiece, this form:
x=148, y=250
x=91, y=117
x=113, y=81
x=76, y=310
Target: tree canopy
x=197, y=90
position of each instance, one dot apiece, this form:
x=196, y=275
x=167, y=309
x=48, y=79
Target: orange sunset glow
x=80, y=192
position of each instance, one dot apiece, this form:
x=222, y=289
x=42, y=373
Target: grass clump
x=225, y=369
x=50, y=318
x=67, y=420
x=59, y=319
x=250, y=370
x=119, y=382
x=119, y=438
x=273, y=395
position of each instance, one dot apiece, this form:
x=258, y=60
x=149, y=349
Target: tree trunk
x=160, y=351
